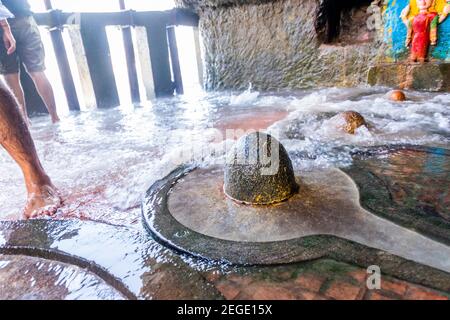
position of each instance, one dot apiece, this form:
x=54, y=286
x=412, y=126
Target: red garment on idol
x=421, y=28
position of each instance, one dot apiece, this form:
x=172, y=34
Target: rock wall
x=278, y=44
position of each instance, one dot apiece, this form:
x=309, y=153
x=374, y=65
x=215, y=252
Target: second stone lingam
x=256, y=211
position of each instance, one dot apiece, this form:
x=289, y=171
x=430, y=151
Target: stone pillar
x=95, y=41
x=83, y=68
x=198, y=55
x=143, y=55
x=175, y=60
x=61, y=57
x=130, y=56
x=159, y=55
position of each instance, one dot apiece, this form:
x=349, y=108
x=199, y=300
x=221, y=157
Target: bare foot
x=44, y=202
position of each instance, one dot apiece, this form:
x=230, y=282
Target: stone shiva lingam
x=255, y=210
x=251, y=181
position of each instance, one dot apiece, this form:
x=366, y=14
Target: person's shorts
x=30, y=49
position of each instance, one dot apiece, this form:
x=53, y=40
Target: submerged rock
x=397, y=95
x=259, y=171
x=349, y=121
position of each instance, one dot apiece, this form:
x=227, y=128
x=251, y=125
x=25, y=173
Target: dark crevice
x=330, y=15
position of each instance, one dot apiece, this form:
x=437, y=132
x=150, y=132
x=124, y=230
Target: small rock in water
x=397, y=95
x=352, y=120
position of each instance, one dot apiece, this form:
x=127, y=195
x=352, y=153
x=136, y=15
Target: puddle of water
x=36, y=278
x=415, y=180
x=126, y=262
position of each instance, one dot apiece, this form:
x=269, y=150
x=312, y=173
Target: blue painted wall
x=395, y=33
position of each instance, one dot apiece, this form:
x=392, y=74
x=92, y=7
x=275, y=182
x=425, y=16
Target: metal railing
x=156, y=46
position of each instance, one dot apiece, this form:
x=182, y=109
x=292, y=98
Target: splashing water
x=247, y=97
x=104, y=160
x=310, y=129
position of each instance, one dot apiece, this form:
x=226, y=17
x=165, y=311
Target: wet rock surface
x=217, y=3
x=37, y=278
x=351, y=121
x=427, y=77
x=188, y=211
x=408, y=187
x=31, y=278
x=397, y=95
x=304, y=43
x=323, y=279
x=126, y=259
x=276, y=44
x=137, y=267
x=259, y=171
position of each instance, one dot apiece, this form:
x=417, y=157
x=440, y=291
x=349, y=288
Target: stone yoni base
x=430, y=76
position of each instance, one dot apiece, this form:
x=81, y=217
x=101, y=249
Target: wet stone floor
x=323, y=279
x=30, y=278
x=73, y=259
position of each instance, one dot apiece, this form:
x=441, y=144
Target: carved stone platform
x=431, y=76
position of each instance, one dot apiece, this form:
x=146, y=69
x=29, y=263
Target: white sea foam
x=246, y=97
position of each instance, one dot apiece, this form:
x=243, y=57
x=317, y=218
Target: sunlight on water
x=104, y=160
x=185, y=41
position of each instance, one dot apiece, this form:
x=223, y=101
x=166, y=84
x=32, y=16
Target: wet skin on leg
x=43, y=198
x=13, y=81
x=45, y=90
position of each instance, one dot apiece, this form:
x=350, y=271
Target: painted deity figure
x=422, y=31
x=423, y=28
x=445, y=12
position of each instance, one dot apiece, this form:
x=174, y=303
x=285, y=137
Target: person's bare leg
x=13, y=81
x=45, y=90
x=43, y=198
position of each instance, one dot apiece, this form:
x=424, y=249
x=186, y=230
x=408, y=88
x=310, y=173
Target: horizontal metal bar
x=58, y=18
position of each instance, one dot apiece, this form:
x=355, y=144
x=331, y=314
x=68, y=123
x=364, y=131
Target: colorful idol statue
x=422, y=31
x=445, y=12
x=422, y=19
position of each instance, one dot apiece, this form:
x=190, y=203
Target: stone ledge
x=196, y=4
x=430, y=76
